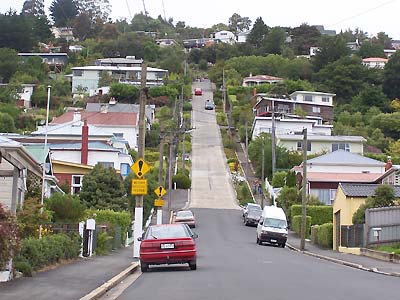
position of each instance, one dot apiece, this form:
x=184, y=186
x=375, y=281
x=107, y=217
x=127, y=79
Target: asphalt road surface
x=230, y=264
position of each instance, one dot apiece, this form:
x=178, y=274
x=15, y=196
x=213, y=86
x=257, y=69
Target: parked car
x=252, y=216
x=168, y=244
x=272, y=227
x=209, y=105
x=249, y=205
x=198, y=92
x=185, y=217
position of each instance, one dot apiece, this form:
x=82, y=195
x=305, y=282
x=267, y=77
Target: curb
x=342, y=262
x=104, y=288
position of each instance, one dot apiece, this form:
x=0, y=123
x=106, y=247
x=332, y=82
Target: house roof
x=120, y=107
x=77, y=146
x=37, y=151
x=364, y=190
x=43, y=54
x=341, y=157
x=322, y=137
x=375, y=59
x=342, y=177
x=263, y=78
x=312, y=93
x=116, y=68
x=70, y=129
x=100, y=119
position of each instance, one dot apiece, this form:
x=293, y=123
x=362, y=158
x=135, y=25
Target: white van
x=272, y=227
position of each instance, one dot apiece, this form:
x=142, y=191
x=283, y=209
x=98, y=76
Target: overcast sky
x=371, y=16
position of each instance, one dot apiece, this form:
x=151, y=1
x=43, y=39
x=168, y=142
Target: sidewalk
x=71, y=281
x=356, y=261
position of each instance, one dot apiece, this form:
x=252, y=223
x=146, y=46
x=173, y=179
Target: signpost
x=159, y=203
x=140, y=168
x=139, y=187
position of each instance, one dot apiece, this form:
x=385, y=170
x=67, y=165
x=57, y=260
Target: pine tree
x=33, y=8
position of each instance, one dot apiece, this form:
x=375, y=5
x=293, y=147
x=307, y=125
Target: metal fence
x=352, y=236
x=382, y=223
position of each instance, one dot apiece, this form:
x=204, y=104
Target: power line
x=363, y=12
x=129, y=9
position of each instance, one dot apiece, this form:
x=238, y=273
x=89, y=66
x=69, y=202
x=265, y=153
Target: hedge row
x=323, y=235
x=39, y=253
x=296, y=225
x=320, y=214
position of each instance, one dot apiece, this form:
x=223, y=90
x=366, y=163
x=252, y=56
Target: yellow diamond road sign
x=160, y=191
x=139, y=187
x=140, y=168
x=159, y=202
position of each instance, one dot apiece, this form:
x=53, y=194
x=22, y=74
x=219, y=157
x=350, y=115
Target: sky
x=371, y=16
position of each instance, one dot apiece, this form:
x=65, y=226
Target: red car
x=198, y=92
x=168, y=244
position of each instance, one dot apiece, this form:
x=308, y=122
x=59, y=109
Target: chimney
x=77, y=117
x=388, y=163
x=254, y=92
x=85, y=143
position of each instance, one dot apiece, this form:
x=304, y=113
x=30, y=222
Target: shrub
x=320, y=214
x=243, y=193
x=66, y=208
x=182, y=181
x=22, y=265
x=152, y=156
x=296, y=225
x=9, y=238
x=187, y=106
x=323, y=235
x=38, y=253
x=221, y=119
x=103, y=244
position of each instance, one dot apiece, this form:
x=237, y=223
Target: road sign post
x=159, y=203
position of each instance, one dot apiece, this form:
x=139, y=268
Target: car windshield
x=184, y=214
x=276, y=223
x=254, y=208
x=164, y=232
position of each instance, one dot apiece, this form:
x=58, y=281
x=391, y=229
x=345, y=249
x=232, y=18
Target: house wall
x=6, y=184
x=130, y=133
x=89, y=80
x=319, y=146
x=346, y=206
x=94, y=157
x=281, y=127
x=344, y=169
x=315, y=98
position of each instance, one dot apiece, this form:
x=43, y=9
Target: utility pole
x=262, y=172
x=171, y=152
x=160, y=174
x=273, y=140
x=247, y=149
x=141, y=144
x=304, y=192
x=223, y=90
x=44, y=159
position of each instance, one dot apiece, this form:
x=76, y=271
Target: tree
x=9, y=63
x=279, y=179
x=9, y=237
x=6, y=123
x=95, y=9
x=17, y=32
x=304, y=37
x=275, y=40
x=103, y=189
x=371, y=96
x=66, y=208
x=239, y=24
x=63, y=12
x=288, y=196
x=82, y=26
x=391, y=77
x=369, y=49
x=257, y=33
x=33, y=8
x=30, y=217
x=331, y=49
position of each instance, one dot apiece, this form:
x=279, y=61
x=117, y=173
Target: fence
x=352, y=236
x=387, y=219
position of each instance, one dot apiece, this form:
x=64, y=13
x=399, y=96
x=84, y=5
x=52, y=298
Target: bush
x=296, y=225
x=221, y=119
x=323, y=235
x=320, y=214
x=39, y=253
x=152, y=156
x=103, y=244
x=243, y=193
x=187, y=106
x=9, y=238
x=182, y=181
x=66, y=208
x=22, y=265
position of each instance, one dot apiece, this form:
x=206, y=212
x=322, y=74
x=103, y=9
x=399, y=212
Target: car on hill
x=209, y=105
x=168, y=244
x=185, y=217
x=249, y=206
x=198, y=92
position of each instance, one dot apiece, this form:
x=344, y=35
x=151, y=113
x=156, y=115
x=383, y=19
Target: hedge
x=182, y=181
x=296, y=225
x=323, y=235
x=39, y=253
x=320, y=214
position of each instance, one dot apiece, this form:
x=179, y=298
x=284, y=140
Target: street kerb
x=104, y=288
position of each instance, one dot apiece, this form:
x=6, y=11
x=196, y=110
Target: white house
x=241, y=37
x=375, y=62
x=260, y=79
x=224, y=36
x=24, y=94
x=128, y=61
x=87, y=78
x=314, y=97
x=318, y=143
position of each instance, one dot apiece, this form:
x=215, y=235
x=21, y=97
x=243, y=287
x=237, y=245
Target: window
x=341, y=146
x=326, y=99
x=107, y=164
x=124, y=168
x=308, y=98
x=78, y=73
x=332, y=195
x=316, y=109
x=300, y=146
x=118, y=134
x=76, y=184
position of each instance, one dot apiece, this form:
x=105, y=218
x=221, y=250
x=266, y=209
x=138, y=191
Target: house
x=63, y=33
x=324, y=173
x=116, y=124
x=286, y=124
x=396, y=44
x=260, y=79
x=166, y=42
x=16, y=165
x=324, y=31
x=320, y=143
x=241, y=37
x=312, y=104
x=87, y=78
x=55, y=61
x=354, y=46
x=314, y=51
x=349, y=198
x=389, y=52
x=224, y=36
x=375, y=62
x=113, y=106
x=75, y=48
x=128, y=61
x=24, y=94
x=71, y=174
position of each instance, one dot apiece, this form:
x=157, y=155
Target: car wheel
x=144, y=267
x=192, y=265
